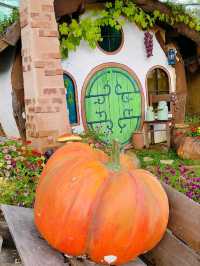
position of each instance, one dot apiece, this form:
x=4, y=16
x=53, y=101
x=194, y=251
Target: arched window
x=112, y=39
x=71, y=97
x=158, y=84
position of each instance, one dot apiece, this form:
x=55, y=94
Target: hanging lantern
x=171, y=55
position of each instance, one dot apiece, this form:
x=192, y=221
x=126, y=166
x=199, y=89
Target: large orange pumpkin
x=83, y=206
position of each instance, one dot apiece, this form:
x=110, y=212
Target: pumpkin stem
x=114, y=164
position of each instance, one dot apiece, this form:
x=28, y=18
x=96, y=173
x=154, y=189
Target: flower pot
x=138, y=140
x=179, y=132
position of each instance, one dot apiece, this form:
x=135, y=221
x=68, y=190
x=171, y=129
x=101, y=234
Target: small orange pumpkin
x=84, y=205
x=189, y=148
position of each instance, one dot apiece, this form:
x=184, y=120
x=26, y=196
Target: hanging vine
x=114, y=15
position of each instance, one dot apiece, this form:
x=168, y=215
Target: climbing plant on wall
x=89, y=28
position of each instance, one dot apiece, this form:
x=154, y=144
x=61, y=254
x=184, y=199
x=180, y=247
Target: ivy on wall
x=8, y=21
x=89, y=28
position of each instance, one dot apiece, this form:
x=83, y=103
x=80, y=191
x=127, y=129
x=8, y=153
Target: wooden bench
x=33, y=250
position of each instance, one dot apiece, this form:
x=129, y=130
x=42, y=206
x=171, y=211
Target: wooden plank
x=9, y=257
x=184, y=219
x=3, y=45
x=172, y=252
x=76, y=262
x=63, y=7
x=1, y=242
x=13, y=33
x=32, y=249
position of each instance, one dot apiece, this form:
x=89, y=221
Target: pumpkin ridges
x=70, y=149
x=74, y=248
x=103, y=236
x=158, y=195
x=140, y=233
x=92, y=203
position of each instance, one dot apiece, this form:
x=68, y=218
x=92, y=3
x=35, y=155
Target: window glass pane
x=112, y=38
x=71, y=99
x=158, y=82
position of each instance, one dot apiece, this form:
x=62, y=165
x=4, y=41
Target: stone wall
x=45, y=101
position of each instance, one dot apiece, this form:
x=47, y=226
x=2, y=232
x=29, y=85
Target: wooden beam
x=12, y=34
x=171, y=251
x=184, y=218
x=7, y=5
x=67, y=7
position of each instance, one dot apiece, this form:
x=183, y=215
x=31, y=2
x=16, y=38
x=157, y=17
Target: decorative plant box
x=181, y=243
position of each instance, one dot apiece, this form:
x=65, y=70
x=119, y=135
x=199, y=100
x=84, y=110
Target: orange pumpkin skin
x=84, y=207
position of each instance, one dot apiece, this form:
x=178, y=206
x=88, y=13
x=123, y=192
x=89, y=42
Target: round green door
x=113, y=105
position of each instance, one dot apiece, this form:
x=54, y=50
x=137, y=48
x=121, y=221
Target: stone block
x=51, y=55
x=50, y=91
x=57, y=100
x=50, y=72
x=62, y=91
x=39, y=64
x=23, y=23
x=40, y=24
x=47, y=8
x=48, y=33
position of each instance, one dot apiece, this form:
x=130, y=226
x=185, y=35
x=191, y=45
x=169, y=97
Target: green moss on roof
x=8, y=20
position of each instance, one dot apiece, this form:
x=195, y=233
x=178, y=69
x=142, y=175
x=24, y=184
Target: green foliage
x=20, y=167
x=8, y=21
x=89, y=28
x=193, y=119
x=177, y=175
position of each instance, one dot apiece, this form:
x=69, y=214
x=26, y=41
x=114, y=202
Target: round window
x=112, y=39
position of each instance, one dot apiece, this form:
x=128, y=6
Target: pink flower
x=5, y=150
x=7, y=157
x=13, y=148
x=9, y=162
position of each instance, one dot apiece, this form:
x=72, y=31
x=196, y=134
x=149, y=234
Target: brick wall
x=45, y=102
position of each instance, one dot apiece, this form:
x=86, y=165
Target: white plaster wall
x=84, y=59
x=6, y=111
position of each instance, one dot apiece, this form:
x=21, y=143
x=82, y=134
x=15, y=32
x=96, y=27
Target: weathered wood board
x=1, y=242
x=184, y=219
x=172, y=252
x=33, y=250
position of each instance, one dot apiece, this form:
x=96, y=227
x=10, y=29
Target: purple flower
x=196, y=179
x=189, y=194
x=14, y=164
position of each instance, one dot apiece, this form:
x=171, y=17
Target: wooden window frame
x=76, y=98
